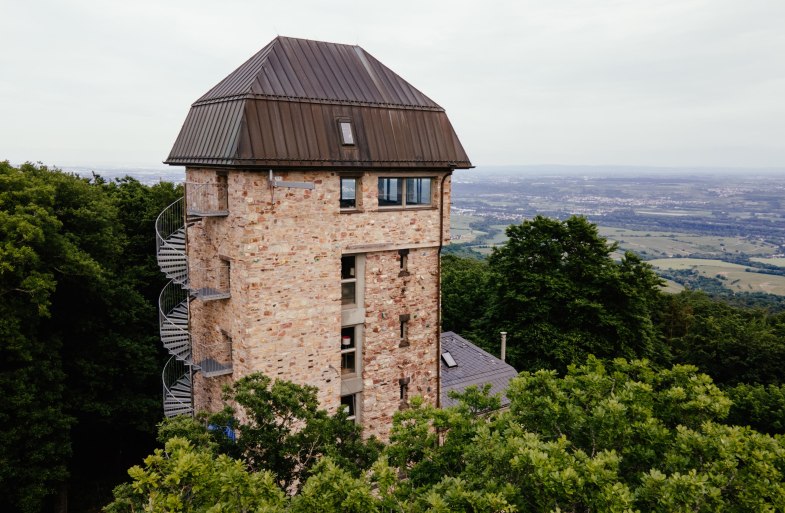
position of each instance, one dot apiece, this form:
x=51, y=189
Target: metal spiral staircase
x=188, y=356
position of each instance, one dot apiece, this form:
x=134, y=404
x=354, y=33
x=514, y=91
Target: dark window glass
x=348, y=280
x=347, y=338
x=348, y=293
x=348, y=269
x=390, y=192
x=347, y=402
x=348, y=350
x=348, y=365
x=418, y=191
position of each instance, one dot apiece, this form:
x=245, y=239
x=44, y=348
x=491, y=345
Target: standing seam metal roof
x=305, y=70
x=281, y=107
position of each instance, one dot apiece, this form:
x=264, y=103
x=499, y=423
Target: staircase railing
x=173, y=321
x=176, y=378
x=215, y=358
x=207, y=198
x=208, y=283
x=170, y=220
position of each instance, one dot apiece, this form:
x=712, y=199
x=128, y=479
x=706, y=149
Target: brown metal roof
x=281, y=109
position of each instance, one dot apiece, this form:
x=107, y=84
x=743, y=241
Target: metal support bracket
x=274, y=182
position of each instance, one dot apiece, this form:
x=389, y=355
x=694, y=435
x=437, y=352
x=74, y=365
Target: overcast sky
x=628, y=82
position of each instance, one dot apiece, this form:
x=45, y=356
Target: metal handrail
x=171, y=219
x=170, y=297
x=214, y=358
x=174, y=371
x=210, y=281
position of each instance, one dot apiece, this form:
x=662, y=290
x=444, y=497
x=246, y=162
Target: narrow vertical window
x=404, y=330
x=348, y=351
x=348, y=280
x=348, y=193
x=404, y=255
x=404, y=384
x=347, y=136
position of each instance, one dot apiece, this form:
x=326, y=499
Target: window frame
x=403, y=192
x=351, y=279
x=357, y=192
x=359, y=288
x=354, y=398
x=356, y=349
x=346, y=122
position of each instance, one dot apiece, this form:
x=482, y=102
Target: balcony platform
x=210, y=294
x=211, y=368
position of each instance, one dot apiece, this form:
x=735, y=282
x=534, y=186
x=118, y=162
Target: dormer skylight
x=448, y=359
x=347, y=136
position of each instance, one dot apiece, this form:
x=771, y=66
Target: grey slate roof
x=475, y=367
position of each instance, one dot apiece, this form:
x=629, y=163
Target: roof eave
x=316, y=164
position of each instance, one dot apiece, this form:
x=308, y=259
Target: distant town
x=699, y=227
x=717, y=230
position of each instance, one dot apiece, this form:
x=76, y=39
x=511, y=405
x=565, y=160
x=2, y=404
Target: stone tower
x=317, y=203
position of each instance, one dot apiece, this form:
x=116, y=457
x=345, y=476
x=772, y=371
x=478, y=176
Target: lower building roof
x=473, y=366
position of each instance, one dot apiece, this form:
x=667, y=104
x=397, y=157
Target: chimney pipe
x=504, y=344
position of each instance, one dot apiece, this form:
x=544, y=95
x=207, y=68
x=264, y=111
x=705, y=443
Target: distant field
x=672, y=287
x=650, y=244
x=669, y=244
x=733, y=276
x=778, y=261
x=663, y=246
x=460, y=229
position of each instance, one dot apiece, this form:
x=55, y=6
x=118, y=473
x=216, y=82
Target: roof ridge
x=289, y=67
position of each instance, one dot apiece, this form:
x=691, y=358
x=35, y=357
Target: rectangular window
x=349, y=405
x=348, y=350
x=390, y=192
x=405, y=192
x=418, y=191
x=348, y=280
x=348, y=192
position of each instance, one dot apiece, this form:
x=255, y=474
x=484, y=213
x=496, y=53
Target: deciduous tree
x=560, y=295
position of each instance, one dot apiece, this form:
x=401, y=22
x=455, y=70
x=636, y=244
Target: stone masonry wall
x=386, y=358
x=284, y=315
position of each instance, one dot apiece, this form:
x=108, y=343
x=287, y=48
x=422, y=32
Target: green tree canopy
x=732, y=344
x=77, y=331
x=279, y=428
x=613, y=437
x=465, y=293
x=557, y=291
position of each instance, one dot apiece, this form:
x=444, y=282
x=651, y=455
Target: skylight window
x=347, y=137
x=448, y=359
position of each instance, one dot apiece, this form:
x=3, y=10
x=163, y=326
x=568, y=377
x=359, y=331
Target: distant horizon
x=551, y=168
